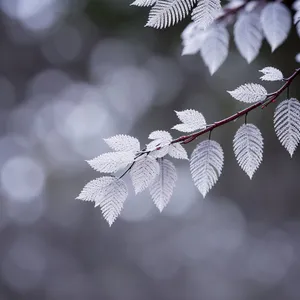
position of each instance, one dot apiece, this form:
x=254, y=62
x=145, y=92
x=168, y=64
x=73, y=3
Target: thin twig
x=270, y=98
x=186, y=139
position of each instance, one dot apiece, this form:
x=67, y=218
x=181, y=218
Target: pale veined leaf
x=248, y=35
x=251, y=6
x=205, y=12
x=161, y=189
x=168, y=12
x=108, y=192
x=92, y=190
x=297, y=21
x=249, y=93
x=248, y=148
x=296, y=5
x=276, y=22
x=177, y=151
x=161, y=139
x=193, y=45
x=190, y=31
x=113, y=200
x=160, y=134
x=123, y=142
x=112, y=162
x=143, y=2
x=192, y=39
x=233, y=4
x=214, y=48
x=143, y=172
x=206, y=165
x=271, y=74
x=163, y=151
x=287, y=124
x=297, y=16
x=191, y=120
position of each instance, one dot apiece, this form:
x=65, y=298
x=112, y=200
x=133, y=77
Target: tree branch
x=269, y=99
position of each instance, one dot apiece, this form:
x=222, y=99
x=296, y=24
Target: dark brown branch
x=231, y=11
x=269, y=99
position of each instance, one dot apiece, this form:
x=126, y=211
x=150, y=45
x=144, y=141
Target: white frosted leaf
x=250, y=6
x=205, y=12
x=214, y=48
x=287, y=124
x=163, y=143
x=123, y=142
x=192, y=38
x=297, y=58
x=168, y=12
x=191, y=120
x=93, y=190
x=297, y=22
x=249, y=93
x=191, y=30
x=248, y=35
x=193, y=45
x=161, y=189
x=108, y=192
x=177, y=151
x=233, y=4
x=143, y=173
x=296, y=17
x=248, y=148
x=160, y=134
x=143, y=2
x=113, y=198
x=271, y=74
x=296, y=5
x=206, y=165
x=112, y=162
x=163, y=151
x=276, y=22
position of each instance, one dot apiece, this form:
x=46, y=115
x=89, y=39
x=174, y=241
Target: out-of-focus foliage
x=72, y=72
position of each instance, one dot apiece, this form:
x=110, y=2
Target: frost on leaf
x=93, y=189
x=276, y=23
x=143, y=172
x=168, y=12
x=177, y=151
x=123, y=142
x=162, y=188
x=108, y=192
x=143, y=2
x=161, y=139
x=248, y=35
x=248, y=148
x=162, y=151
x=113, y=200
x=160, y=134
x=249, y=93
x=287, y=124
x=112, y=162
x=191, y=120
x=193, y=45
x=206, y=165
x=271, y=74
x=214, y=48
x=205, y=12
x=297, y=21
x=192, y=39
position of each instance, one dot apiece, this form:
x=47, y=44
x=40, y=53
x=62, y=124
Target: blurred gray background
x=75, y=72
